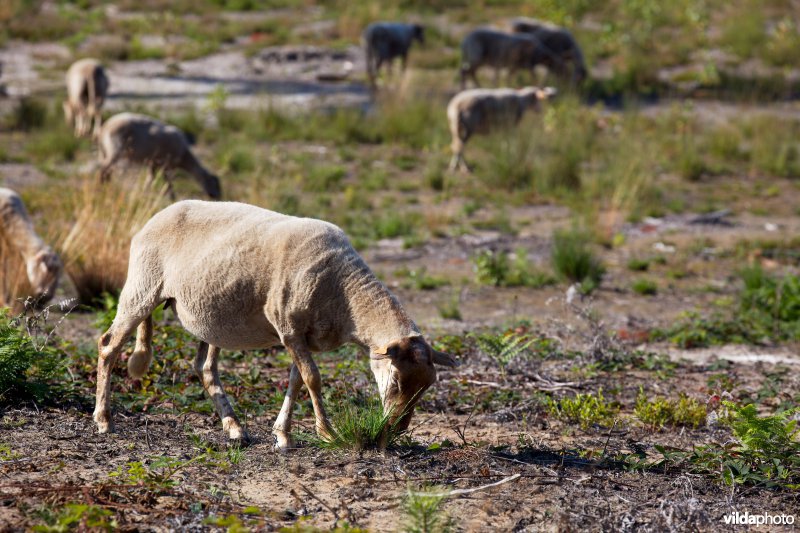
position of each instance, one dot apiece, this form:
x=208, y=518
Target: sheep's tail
x=142, y=355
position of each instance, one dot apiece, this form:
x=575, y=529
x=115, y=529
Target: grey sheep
x=240, y=278
x=385, y=41
x=42, y=263
x=87, y=87
x=146, y=141
x=480, y=111
x=559, y=40
x=497, y=49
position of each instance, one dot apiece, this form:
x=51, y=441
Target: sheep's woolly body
x=500, y=50
x=146, y=141
x=16, y=228
x=242, y=277
x=558, y=40
x=87, y=87
x=479, y=111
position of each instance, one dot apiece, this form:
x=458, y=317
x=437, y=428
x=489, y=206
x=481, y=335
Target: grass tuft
x=357, y=426
x=573, y=259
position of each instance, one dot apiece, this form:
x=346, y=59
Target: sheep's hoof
x=283, y=442
x=242, y=441
x=103, y=422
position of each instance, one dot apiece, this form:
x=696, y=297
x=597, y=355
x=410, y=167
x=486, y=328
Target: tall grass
x=95, y=248
x=358, y=425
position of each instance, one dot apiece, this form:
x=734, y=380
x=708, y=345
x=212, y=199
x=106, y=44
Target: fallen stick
x=459, y=492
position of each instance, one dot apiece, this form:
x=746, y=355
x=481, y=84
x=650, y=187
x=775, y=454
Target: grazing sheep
x=145, y=140
x=384, y=41
x=240, y=278
x=87, y=86
x=559, y=40
x=16, y=228
x=486, y=46
x=483, y=110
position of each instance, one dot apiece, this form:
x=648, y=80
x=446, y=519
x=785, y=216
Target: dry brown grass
x=14, y=285
x=94, y=247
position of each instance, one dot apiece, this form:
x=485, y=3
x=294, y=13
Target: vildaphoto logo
x=763, y=519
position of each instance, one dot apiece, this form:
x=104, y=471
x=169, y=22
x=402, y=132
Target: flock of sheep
x=241, y=277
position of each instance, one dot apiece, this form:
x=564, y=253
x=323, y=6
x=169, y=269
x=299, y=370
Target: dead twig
x=460, y=492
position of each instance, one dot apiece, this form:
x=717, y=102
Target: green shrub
x=573, y=259
x=29, y=114
x=638, y=265
x=423, y=511
x=25, y=366
x=645, y=287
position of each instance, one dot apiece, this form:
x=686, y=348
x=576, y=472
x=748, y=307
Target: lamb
x=483, y=110
x=559, y=40
x=87, y=87
x=384, y=41
x=240, y=277
x=42, y=263
x=147, y=141
x=486, y=46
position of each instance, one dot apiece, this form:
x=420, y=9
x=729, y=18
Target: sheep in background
x=87, y=87
x=384, y=41
x=479, y=111
x=146, y=141
x=41, y=262
x=240, y=278
x=486, y=46
x=559, y=40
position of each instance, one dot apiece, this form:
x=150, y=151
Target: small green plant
x=7, y=454
x=420, y=280
x=158, y=475
x=639, y=265
x=660, y=412
x=765, y=451
x=585, y=409
x=505, y=347
x=423, y=510
x=573, y=259
x=29, y=114
x=450, y=309
x=494, y=268
x=78, y=516
x=645, y=287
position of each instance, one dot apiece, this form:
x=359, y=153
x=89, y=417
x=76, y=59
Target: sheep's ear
x=547, y=92
x=444, y=359
x=385, y=352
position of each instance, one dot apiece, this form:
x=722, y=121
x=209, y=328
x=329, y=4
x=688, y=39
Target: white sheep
x=87, y=87
x=557, y=39
x=479, y=111
x=486, y=46
x=240, y=278
x=41, y=262
x=384, y=41
x=147, y=141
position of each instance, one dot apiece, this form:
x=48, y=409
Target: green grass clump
x=585, y=409
x=573, y=259
x=660, y=412
x=639, y=265
x=29, y=114
x=25, y=366
x=494, y=268
x=420, y=280
x=357, y=425
x=645, y=287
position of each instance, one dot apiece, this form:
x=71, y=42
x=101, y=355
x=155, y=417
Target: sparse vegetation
x=358, y=425
x=659, y=412
x=574, y=260
x=585, y=409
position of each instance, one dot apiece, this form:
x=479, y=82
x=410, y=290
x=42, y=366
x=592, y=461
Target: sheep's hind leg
x=206, y=367
x=108, y=348
x=283, y=424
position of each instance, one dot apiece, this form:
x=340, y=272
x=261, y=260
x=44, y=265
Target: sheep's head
x=404, y=370
x=534, y=95
x=419, y=33
x=44, y=269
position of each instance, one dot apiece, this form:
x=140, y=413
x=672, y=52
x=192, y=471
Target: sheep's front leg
x=283, y=424
x=311, y=377
x=206, y=367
